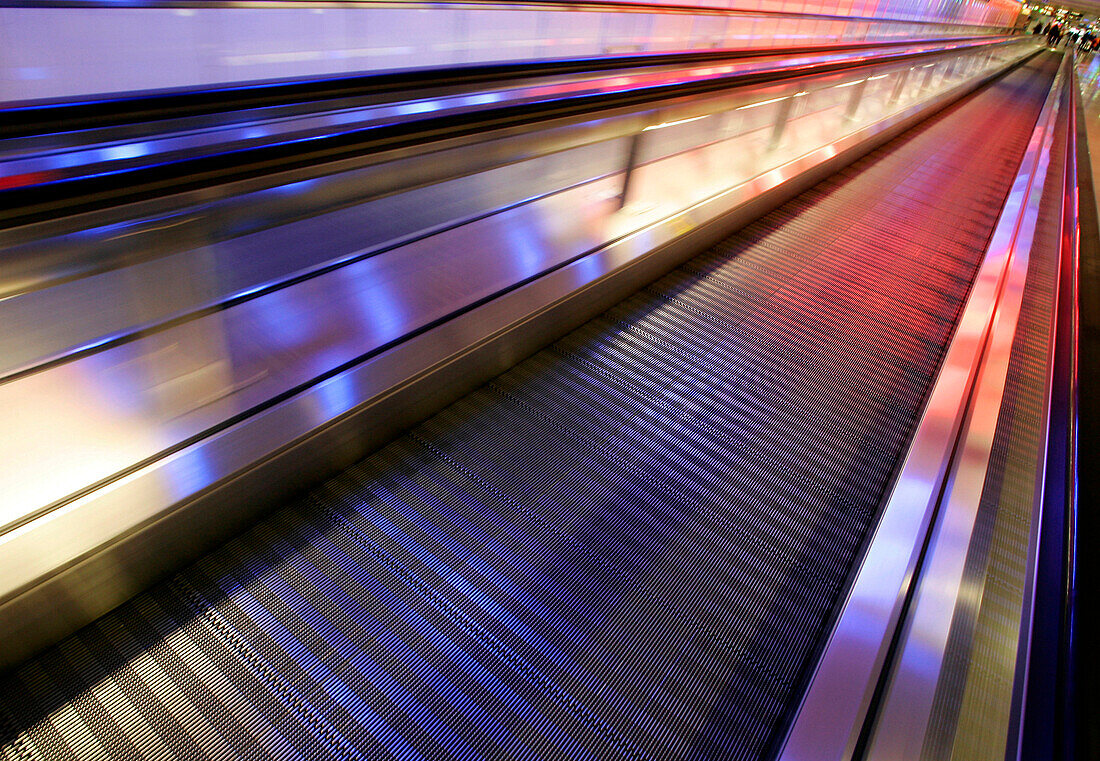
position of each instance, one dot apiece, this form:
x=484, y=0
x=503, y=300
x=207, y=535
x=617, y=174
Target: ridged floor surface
x=629, y=545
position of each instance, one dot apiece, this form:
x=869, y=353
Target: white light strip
x=662, y=125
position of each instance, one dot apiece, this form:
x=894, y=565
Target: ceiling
x=1088, y=7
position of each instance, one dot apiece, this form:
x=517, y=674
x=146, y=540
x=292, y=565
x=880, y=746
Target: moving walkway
x=715, y=518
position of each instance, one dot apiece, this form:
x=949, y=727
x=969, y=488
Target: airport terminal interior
x=549, y=379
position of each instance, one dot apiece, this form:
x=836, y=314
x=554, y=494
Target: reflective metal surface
x=250, y=244
x=68, y=154
x=153, y=426
x=117, y=48
x=833, y=712
x=1058, y=483
x=191, y=361
x=902, y=723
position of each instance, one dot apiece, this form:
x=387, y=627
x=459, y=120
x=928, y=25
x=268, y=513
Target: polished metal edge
x=1069, y=250
x=833, y=711
x=78, y=562
x=902, y=724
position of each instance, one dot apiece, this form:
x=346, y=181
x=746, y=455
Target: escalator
x=634, y=543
